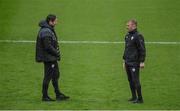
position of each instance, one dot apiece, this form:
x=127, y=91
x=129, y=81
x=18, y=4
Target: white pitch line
x=86, y=42
x=17, y=41
x=90, y=42
x=168, y=43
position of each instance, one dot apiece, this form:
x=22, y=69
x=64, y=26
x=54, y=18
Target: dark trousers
x=134, y=82
x=51, y=72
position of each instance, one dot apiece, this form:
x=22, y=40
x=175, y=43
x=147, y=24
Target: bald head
x=131, y=25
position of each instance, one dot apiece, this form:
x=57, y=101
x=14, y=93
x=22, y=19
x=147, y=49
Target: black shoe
x=47, y=99
x=132, y=99
x=138, y=101
x=61, y=96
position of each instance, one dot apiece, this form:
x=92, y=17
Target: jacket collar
x=133, y=32
x=44, y=24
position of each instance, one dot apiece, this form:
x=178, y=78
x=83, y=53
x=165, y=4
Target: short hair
x=50, y=17
x=133, y=21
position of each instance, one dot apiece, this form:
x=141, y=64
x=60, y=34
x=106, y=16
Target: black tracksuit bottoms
x=51, y=72
x=134, y=81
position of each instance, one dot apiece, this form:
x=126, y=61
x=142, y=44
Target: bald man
x=134, y=58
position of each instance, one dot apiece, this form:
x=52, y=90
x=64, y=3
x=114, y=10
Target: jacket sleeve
x=124, y=49
x=124, y=56
x=46, y=39
x=48, y=46
x=141, y=47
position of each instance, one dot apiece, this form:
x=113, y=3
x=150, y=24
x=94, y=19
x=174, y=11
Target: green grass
x=91, y=74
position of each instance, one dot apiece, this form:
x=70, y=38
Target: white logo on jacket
x=132, y=38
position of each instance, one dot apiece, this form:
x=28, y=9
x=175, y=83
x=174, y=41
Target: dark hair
x=50, y=17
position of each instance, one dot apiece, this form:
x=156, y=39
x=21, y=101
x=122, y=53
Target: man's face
x=130, y=26
x=53, y=23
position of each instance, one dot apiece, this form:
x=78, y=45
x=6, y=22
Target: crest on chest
x=132, y=38
x=129, y=38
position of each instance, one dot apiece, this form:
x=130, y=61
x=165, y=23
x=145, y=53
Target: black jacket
x=47, y=48
x=135, y=51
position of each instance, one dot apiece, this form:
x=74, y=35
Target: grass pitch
x=91, y=74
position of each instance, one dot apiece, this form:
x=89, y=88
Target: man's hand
x=123, y=65
x=142, y=65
